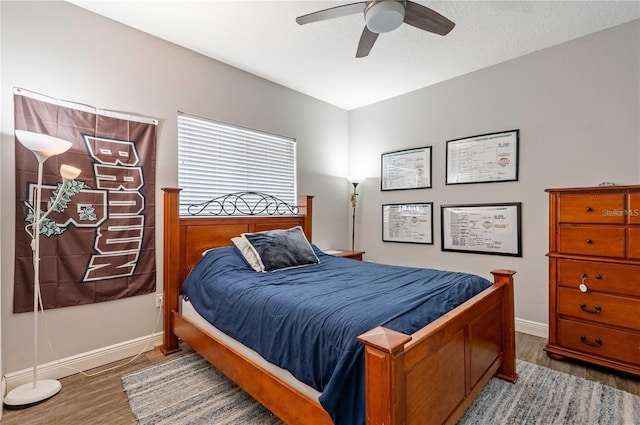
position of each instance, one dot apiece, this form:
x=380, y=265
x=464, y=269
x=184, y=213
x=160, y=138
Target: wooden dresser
x=594, y=276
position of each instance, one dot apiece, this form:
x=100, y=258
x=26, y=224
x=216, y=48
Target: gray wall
x=63, y=51
x=577, y=108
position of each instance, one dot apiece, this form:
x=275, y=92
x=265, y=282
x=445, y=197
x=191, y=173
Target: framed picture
x=409, y=223
x=406, y=169
x=482, y=228
x=483, y=159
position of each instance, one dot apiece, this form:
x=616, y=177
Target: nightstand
x=355, y=255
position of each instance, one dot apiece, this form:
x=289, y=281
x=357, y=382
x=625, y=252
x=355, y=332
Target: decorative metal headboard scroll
x=244, y=203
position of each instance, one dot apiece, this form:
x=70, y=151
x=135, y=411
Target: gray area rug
x=187, y=390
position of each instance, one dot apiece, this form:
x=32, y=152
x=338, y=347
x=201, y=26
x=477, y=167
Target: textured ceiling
x=318, y=59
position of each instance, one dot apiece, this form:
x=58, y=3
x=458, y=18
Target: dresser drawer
x=600, y=341
x=600, y=308
x=593, y=208
x=602, y=277
x=606, y=242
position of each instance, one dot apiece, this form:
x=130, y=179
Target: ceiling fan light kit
x=383, y=16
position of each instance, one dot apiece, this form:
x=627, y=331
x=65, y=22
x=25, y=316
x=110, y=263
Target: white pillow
x=247, y=251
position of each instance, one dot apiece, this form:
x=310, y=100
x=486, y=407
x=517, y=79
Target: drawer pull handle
x=589, y=209
x=589, y=241
x=596, y=310
x=599, y=277
x=596, y=343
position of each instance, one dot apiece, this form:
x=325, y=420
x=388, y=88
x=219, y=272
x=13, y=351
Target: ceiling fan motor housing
x=384, y=16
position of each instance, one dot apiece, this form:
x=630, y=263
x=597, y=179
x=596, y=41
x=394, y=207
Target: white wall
x=66, y=52
x=577, y=108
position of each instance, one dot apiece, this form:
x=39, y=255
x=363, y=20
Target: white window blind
x=216, y=159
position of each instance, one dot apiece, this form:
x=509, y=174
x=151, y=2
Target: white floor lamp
x=43, y=147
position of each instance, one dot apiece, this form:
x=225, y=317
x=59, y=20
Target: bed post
x=507, y=370
x=171, y=284
x=305, y=202
x=385, y=376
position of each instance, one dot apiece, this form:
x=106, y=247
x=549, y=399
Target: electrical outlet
x=159, y=300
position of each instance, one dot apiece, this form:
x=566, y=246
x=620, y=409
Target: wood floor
x=100, y=400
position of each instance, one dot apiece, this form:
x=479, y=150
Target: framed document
x=406, y=169
x=409, y=223
x=484, y=158
x=482, y=228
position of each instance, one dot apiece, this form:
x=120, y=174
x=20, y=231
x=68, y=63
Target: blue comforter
x=306, y=320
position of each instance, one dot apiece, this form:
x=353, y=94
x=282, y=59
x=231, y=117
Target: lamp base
x=26, y=395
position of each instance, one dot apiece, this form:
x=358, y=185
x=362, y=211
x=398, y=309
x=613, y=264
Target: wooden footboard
x=432, y=376
x=429, y=377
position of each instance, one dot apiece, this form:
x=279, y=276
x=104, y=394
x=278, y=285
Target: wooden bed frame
x=429, y=377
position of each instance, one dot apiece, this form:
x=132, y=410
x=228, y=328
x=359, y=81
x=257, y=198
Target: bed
x=428, y=376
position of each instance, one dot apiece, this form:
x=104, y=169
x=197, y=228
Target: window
x=216, y=159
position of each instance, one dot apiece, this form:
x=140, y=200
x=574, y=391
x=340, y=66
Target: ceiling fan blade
x=426, y=19
x=367, y=40
x=332, y=12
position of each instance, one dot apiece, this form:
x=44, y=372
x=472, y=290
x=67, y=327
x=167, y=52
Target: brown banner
x=100, y=245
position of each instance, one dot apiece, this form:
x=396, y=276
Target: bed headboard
x=186, y=238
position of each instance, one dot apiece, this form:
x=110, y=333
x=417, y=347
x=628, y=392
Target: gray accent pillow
x=282, y=249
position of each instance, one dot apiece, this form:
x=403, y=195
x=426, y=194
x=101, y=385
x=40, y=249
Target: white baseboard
x=532, y=328
x=85, y=361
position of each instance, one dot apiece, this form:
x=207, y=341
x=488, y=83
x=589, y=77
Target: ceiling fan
x=383, y=16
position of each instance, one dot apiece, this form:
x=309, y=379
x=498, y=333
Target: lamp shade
x=42, y=145
x=68, y=172
x=355, y=179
